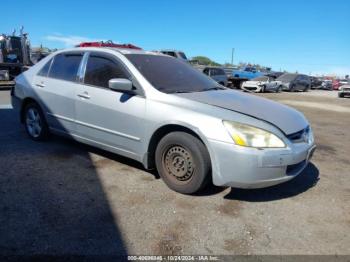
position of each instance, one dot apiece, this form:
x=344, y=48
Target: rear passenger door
x=109, y=118
x=56, y=85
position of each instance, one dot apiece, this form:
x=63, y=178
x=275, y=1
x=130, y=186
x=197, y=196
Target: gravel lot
x=60, y=197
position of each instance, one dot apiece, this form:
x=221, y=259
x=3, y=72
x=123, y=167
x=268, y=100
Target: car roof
x=123, y=51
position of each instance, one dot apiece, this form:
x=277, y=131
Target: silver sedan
x=165, y=114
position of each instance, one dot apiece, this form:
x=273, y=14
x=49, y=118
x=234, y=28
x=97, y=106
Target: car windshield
x=261, y=78
x=170, y=75
x=286, y=77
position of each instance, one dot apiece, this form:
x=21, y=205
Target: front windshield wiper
x=212, y=88
x=194, y=91
x=181, y=91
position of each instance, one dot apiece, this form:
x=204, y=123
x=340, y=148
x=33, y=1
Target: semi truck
x=14, y=56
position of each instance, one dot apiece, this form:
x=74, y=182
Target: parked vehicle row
x=285, y=82
x=250, y=79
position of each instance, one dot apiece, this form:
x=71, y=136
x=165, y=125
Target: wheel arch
x=24, y=103
x=162, y=131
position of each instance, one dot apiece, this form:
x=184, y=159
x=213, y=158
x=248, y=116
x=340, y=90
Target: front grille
x=296, y=168
x=250, y=87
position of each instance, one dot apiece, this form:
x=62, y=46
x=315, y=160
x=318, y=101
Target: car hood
x=283, y=117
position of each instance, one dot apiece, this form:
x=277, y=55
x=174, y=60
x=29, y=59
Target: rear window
x=219, y=71
x=286, y=77
x=169, y=53
x=261, y=78
x=65, y=66
x=45, y=70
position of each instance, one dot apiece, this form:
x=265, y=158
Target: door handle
x=40, y=84
x=84, y=95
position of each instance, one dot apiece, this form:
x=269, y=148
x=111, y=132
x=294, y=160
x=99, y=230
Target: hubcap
x=179, y=163
x=33, y=122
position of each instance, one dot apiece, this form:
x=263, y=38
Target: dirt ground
x=61, y=197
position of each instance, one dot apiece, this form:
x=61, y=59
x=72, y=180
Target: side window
x=45, y=69
x=221, y=72
x=170, y=53
x=65, y=66
x=99, y=70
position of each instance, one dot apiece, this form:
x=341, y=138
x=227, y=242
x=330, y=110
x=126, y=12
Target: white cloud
x=70, y=41
x=339, y=71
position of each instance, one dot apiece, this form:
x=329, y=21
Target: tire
x=306, y=89
x=183, y=162
x=263, y=89
x=35, y=122
x=341, y=95
x=278, y=89
x=291, y=88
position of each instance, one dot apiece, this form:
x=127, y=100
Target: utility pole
x=233, y=51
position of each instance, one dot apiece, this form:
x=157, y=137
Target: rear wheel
x=35, y=123
x=341, y=95
x=183, y=162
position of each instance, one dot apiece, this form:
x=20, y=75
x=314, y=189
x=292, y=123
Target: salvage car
x=327, y=84
x=262, y=84
x=164, y=113
x=344, y=90
x=295, y=82
x=315, y=82
x=216, y=73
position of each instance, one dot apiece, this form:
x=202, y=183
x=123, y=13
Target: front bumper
x=345, y=91
x=251, y=88
x=243, y=167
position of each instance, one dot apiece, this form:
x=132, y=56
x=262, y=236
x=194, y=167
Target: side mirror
x=120, y=85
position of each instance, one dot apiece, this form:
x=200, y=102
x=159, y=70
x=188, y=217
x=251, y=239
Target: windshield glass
x=170, y=75
x=286, y=77
x=261, y=78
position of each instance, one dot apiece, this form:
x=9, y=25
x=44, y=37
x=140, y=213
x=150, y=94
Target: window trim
x=65, y=53
x=82, y=71
x=48, y=71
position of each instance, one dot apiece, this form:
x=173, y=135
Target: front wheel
x=183, y=162
x=35, y=123
x=306, y=89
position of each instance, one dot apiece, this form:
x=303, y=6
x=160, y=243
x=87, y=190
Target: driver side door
x=110, y=119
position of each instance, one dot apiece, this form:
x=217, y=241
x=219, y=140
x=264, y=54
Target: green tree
x=203, y=60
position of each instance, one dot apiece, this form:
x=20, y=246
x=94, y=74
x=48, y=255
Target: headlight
x=309, y=136
x=249, y=136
